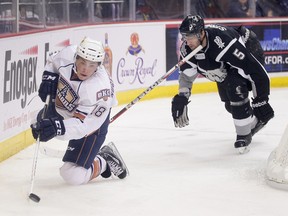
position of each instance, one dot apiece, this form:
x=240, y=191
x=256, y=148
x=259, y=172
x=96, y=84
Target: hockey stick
x=33, y=196
x=58, y=153
x=173, y=69
x=51, y=152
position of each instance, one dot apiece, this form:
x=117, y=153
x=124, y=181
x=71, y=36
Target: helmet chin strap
x=199, y=38
x=74, y=68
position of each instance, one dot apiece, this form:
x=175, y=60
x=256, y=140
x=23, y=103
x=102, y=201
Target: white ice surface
x=193, y=171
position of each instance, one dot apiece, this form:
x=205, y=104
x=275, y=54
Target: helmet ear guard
x=91, y=50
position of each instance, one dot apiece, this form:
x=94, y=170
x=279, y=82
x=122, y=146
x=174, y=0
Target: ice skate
x=115, y=163
x=242, y=143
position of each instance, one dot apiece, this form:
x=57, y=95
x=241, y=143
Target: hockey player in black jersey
x=233, y=58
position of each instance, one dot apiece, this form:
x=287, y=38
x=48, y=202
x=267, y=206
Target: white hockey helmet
x=91, y=50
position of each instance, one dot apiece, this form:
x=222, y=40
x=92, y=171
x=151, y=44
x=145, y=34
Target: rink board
x=13, y=145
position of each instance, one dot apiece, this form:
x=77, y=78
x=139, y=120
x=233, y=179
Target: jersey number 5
x=240, y=55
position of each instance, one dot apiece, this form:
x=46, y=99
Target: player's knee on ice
x=75, y=175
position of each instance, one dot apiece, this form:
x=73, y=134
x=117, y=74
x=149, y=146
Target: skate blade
x=243, y=150
x=115, y=151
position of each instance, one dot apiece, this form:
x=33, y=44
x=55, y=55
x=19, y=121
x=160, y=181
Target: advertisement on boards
x=134, y=57
x=274, y=41
x=22, y=68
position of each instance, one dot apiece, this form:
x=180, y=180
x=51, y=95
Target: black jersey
x=225, y=50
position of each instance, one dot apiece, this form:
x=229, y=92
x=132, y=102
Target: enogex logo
x=20, y=76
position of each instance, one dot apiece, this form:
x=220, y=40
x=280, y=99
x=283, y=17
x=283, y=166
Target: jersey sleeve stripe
x=225, y=50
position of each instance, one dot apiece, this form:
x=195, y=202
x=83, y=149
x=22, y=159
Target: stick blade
x=34, y=197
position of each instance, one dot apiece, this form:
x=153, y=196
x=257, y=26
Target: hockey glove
x=48, y=128
x=48, y=85
x=262, y=109
x=180, y=111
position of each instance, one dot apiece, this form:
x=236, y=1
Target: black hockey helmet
x=191, y=25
